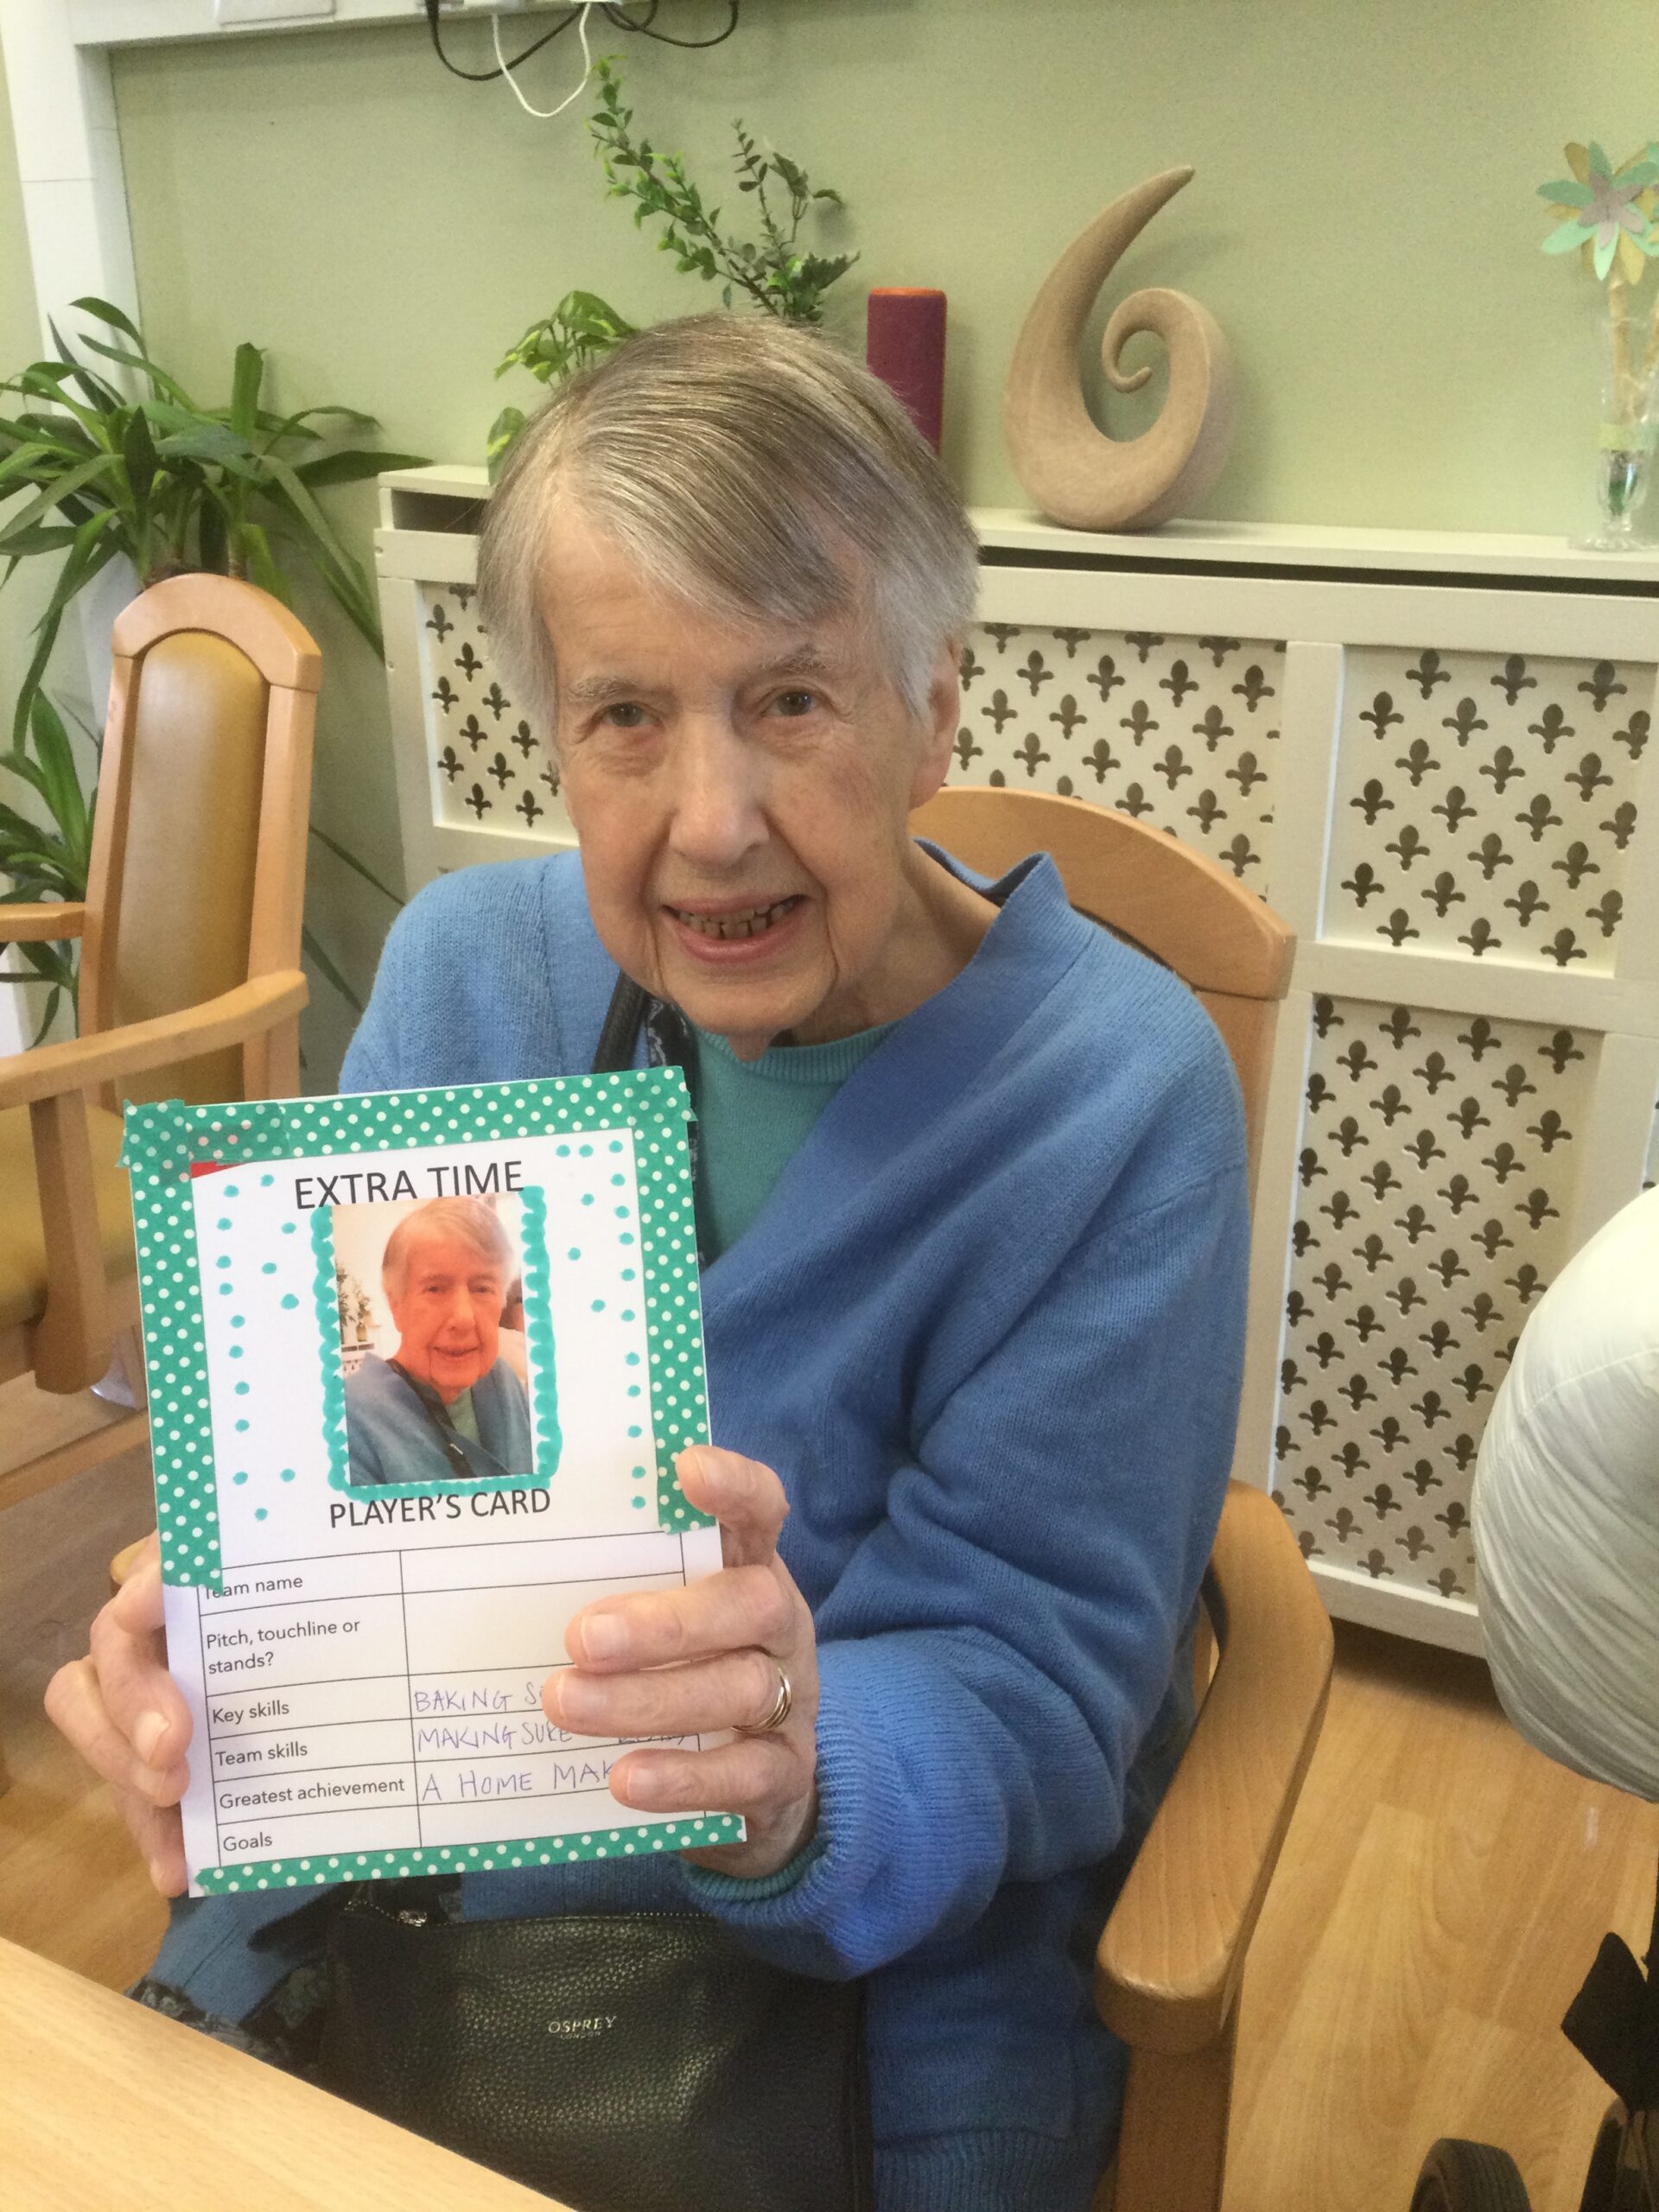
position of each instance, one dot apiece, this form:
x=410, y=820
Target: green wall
x=1362, y=223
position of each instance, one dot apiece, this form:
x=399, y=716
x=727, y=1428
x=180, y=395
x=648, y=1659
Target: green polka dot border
x=696, y=1833
x=165, y=1141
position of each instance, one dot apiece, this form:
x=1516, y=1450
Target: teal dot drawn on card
x=224, y=1222
x=240, y=1476
x=575, y=1253
x=287, y=1301
x=165, y=1141
x=240, y=1427
x=265, y=1182
x=539, y=1331
x=268, y=1267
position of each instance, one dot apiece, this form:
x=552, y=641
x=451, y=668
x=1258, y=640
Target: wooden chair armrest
x=1172, y=1955
x=231, y=1019
x=21, y=923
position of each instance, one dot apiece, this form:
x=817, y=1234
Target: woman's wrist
x=760, y=1857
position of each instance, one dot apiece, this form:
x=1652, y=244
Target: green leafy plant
x=169, y=483
x=174, y=486
x=771, y=273
x=47, y=861
x=580, y=329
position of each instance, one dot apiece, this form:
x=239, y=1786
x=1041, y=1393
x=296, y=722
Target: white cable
x=546, y=114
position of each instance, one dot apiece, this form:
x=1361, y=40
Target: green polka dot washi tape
x=697, y=1834
x=168, y=1145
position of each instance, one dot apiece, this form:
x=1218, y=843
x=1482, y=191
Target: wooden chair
x=1170, y=1957
x=190, y=985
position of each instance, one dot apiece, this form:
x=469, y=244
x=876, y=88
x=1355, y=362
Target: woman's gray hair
x=472, y=1222
x=747, y=465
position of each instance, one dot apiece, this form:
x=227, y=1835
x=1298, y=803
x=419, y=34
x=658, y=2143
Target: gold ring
x=781, y=1710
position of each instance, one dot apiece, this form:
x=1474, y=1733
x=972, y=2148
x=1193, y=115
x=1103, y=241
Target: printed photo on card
x=419, y=1364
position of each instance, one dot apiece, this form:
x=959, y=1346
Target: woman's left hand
x=703, y=1659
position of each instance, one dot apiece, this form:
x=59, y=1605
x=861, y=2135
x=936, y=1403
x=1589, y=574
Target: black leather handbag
x=625, y=2062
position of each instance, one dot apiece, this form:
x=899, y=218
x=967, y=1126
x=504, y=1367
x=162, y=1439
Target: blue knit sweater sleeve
x=472, y=978
x=1001, y=1642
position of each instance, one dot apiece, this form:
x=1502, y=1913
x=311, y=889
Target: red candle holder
x=904, y=347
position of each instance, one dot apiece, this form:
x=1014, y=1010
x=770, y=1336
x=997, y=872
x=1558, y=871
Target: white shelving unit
x=1432, y=754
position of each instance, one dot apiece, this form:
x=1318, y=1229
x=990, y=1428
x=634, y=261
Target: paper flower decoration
x=1610, y=213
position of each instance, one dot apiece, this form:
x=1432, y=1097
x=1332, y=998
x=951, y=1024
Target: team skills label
x=419, y=1364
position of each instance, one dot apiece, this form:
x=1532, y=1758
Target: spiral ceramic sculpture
x=1070, y=468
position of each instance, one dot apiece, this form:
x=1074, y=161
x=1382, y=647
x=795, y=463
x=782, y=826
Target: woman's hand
x=122, y=1711
x=703, y=1659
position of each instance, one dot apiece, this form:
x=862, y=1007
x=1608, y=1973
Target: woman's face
x=742, y=793
x=448, y=1314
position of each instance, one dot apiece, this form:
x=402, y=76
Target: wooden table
x=103, y=2103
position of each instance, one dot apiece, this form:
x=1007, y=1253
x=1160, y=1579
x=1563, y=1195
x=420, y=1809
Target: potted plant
x=168, y=485
x=772, y=273
x=46, y=859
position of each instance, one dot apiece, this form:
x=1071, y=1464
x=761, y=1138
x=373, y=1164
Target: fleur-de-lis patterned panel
x=1182, y=733
x=1434, y=1185
x=490, y=769
x=1483, y=804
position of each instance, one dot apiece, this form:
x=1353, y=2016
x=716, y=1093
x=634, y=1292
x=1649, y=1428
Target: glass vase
x=1629, y=421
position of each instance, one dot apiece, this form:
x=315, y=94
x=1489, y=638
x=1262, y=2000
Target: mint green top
x=752, y=1118
x=464, y=1414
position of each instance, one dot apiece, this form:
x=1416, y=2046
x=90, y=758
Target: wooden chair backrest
x=1232, y=951
x=197, y=877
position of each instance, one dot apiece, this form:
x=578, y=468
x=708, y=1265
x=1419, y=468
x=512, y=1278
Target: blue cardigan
x=988, y=1329
x=390, y=1437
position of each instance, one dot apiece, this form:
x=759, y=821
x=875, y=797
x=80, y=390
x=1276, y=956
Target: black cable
x=489, y=76
x=612, y=13
x=692, y=45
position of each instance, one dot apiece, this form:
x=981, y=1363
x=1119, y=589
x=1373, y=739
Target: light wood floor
x=1441, y=1894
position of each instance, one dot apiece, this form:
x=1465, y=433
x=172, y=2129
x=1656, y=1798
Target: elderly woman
x=972, y=1202
x=446, y=1406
